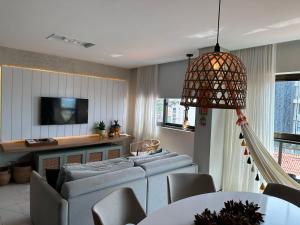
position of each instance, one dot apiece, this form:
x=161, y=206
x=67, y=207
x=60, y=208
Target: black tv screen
x=57, y=111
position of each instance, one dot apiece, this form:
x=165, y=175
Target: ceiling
x=144, y=32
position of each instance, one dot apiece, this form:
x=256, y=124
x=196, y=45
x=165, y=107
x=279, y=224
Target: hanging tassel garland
x=262, y=187
x=257, y=177
x=249, y=161
x=241, y=136
x=246, y=151
x=252, y=169
x=243, y=143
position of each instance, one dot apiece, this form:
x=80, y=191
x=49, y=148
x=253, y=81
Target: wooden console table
x=80, y=149
x=63, y=143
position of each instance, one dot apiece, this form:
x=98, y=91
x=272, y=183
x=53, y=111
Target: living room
x=149, y=106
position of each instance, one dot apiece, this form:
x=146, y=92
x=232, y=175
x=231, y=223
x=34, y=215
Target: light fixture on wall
x=186, y=122
x=215, y=80
x=70, y=40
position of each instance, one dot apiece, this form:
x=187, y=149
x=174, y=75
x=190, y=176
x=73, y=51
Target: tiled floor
x=14, y=204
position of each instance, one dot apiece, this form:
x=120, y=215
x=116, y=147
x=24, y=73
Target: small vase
x=117, y=131
x=102, y=133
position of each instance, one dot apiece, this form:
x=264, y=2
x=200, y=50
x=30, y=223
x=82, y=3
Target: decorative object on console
x=144, y=147
x=40, y=142
x=22, y=172
x=4, y=175
x=117, y=128
x=100, y=127
x=234, y=213
x=111, y=132
x=215, y=80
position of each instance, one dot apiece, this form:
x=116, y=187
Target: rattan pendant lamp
x=215, y=80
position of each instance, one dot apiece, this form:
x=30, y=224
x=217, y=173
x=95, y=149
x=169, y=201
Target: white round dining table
x=277, y=211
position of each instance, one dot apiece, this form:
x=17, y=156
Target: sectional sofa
x=72, y=205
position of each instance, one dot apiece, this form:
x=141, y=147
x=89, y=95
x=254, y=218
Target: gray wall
x=170, y=82
x=287, y=57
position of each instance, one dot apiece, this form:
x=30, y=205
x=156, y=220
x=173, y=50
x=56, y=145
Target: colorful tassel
x=262, y=187
x=249, y=161
x=241, y=136
x=252, y=169
x=257, y=177
x=243, y=143
x=246, y=151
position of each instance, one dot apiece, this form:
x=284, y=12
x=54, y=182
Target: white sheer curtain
x=146, y=94
x=260, y=64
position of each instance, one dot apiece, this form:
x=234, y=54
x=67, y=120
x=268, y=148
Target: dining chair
x=118, y=208
x=284, y=192
x=183, y=185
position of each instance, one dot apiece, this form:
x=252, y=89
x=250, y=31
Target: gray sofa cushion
x=154, y=158
x=138, y=160
x=95, y=183
x=141, y=155
x=167, y=164
x=70, y=172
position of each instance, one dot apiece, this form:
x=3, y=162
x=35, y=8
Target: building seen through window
x=287, y=126
x=170, y=113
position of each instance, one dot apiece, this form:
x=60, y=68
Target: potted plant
x=117, y=127
x=101, y=128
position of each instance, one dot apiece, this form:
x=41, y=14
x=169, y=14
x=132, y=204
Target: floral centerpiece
x=234, y=213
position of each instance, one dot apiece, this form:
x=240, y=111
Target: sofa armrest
x=95, y=183
x=164, y=165
x=47, y=207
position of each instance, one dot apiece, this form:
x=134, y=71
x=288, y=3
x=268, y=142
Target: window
x=287, y=106
x=170, y=113
x=287, y=123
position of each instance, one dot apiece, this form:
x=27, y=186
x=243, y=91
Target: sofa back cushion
x=139, y=160
x=71, y=172
x=166, y=164
x=78, y=187
x=82, y=194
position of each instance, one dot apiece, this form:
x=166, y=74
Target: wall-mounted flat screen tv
x=58, y=111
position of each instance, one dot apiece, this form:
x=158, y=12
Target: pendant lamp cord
x=189, y=56
x=219, y=21
x=217, y=47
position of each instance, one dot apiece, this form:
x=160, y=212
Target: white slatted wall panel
x=22, y=89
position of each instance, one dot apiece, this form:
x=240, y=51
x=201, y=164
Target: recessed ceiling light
x=70, y=40
x=116, y=55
